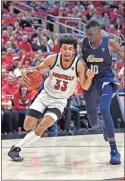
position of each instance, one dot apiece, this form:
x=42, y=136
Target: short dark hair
x=92, y=23
x=68, y=39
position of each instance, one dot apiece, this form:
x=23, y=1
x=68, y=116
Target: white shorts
x=44, y=101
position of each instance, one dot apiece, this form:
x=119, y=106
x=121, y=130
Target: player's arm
x=85, y=78
x=115, y=47
x=46, y=64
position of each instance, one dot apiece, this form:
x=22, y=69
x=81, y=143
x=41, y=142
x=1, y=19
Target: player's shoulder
x=84, y=39
x=52, y=57
x=81, y=63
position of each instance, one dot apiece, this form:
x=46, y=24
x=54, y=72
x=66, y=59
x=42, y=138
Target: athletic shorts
x=44, y=104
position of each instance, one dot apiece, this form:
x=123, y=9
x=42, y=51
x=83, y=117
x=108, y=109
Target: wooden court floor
x=83, y=157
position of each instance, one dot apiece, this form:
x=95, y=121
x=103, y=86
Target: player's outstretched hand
x=90, y=74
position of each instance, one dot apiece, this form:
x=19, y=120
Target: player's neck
x=97, y=43
x=67, y=64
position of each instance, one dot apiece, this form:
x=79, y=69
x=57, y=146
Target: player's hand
x=24, y=73
x=90, y=74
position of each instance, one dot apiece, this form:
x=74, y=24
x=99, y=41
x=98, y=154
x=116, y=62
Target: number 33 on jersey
x=62, y=81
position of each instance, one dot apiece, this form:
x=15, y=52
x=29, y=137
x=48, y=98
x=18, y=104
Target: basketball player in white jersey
x=49, y=104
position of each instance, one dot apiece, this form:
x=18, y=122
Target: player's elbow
x=84, y=87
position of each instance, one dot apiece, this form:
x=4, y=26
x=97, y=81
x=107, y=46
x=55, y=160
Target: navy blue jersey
x=98, y=60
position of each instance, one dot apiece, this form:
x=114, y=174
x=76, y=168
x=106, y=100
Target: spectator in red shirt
x=22, y=99
x=3, y=59
x=113, y=14
x=5, y=36
x=3, y=76
x=8, y=20
x=10, y=87
x=9, y=58
x=25, y=45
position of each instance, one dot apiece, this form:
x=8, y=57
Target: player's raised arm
x=82, y=74
x=115, y=47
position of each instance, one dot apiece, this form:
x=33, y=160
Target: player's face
x=93, y=34
x=67, y=51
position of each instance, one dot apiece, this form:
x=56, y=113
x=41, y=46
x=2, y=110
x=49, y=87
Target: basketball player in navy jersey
x=50, y=102
x=97, y=54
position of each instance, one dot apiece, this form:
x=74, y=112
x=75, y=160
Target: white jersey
x=61, y=83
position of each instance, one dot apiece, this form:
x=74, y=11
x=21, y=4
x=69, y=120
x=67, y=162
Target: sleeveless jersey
x=61, y=83
x=98, y=60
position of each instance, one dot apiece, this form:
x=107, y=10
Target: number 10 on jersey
x=95, y=68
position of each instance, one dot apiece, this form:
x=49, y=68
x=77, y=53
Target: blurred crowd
x=25, y=45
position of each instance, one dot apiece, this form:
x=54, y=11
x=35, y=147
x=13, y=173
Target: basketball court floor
x=84, y=157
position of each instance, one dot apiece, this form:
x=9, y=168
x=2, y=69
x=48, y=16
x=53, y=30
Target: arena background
x=43, y=23
x=29, y=33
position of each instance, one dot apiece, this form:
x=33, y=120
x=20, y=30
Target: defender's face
x=67, y=51
x=93, y=34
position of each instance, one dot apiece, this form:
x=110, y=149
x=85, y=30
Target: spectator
x=19, y=81
x=25, y=45
x=9, y=57
x=5, y=36
x=105, y=20
x=14, y=43
x=17, y=71
x=2, y=45
x=118, y=33
x=122, y=85
x=84, y=19
x=15, y=62
x=121, y=72
x=36, y=60
x=34, y=45
x=3, y=76
x=8, y=44
x=37, y=34
x=10, y=116
x=10, y=87
x=3, y=59
x=118, y=25
x=17, y=28
x=23, y=22
x=10, y=29
x=44, y=46
x=27, y=63
x=22, y=99
x=55, y=47
x=111, y=29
